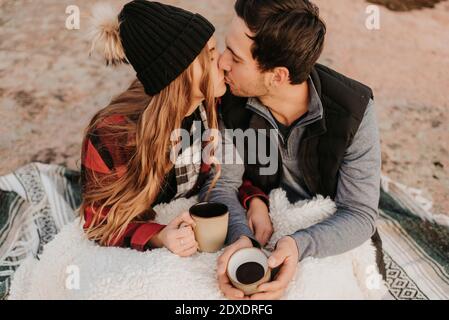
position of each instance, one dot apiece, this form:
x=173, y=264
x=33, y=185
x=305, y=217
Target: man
x=326, y=125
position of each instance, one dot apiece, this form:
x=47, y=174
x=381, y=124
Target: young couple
x=325, y=122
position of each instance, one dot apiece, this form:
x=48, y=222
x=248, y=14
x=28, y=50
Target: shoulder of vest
x=343, y=94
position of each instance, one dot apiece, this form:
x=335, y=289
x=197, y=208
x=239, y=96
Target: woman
x=126, y=167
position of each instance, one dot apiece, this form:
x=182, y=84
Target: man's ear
x=279, y=76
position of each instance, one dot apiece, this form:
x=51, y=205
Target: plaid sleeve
x=101, y=156
x=247, y=191
x=136, y=235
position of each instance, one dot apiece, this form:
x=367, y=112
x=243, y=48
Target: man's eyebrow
x=233, y=53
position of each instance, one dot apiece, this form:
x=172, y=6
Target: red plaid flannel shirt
x=106, y=154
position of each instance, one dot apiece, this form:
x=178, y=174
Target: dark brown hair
x=287, y=33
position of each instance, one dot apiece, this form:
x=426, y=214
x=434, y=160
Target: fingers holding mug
x=189, y=249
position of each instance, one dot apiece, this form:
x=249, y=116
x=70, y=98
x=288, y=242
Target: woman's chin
x=220, y=91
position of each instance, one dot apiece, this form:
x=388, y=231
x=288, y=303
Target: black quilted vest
x=323, y=143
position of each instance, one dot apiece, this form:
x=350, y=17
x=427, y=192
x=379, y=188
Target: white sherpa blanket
x=72, y=267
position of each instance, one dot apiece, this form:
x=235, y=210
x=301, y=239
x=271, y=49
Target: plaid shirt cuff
x=143, y=234
x=248, y=191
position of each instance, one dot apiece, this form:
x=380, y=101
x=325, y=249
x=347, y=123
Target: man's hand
x=285, y=254
x=259, y=221
x=224, y=283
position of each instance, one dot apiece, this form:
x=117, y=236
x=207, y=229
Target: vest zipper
x=274, y=126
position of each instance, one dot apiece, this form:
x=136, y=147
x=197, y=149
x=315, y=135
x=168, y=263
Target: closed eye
x=213, y=52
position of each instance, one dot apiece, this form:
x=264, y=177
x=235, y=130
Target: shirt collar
x=315, y=107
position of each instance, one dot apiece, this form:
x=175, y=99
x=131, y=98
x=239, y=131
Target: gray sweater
x=358, y=188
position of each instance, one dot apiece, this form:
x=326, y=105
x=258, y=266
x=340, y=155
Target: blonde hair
x=128, y=197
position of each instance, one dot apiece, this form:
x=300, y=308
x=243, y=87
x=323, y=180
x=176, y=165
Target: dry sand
x=49, y=88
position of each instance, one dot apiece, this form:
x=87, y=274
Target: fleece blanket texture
x=72, y=267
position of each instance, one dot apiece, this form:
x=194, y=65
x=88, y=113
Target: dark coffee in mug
x=250, y=272
x=208, y=209
x=247, y=269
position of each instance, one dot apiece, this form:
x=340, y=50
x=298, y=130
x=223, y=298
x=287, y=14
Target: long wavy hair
x=150, y=121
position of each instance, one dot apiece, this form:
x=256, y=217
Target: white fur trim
x=117, y=273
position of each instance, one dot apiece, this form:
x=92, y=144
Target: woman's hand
x=259, y=221
x=178, y=236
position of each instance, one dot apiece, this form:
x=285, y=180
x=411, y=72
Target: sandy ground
x=49, y=88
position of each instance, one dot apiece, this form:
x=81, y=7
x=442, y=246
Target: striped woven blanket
x=37, y=200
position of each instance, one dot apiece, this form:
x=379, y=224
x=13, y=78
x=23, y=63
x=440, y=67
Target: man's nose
x=223, y=62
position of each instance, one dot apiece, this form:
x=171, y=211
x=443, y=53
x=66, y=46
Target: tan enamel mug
x=211, y=219
x=247, y=269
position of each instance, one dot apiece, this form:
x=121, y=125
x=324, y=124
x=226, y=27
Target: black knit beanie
x=161, y=41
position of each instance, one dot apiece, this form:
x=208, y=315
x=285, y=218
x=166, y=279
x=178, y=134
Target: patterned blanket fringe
x=24, y=241
x=419, y=205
